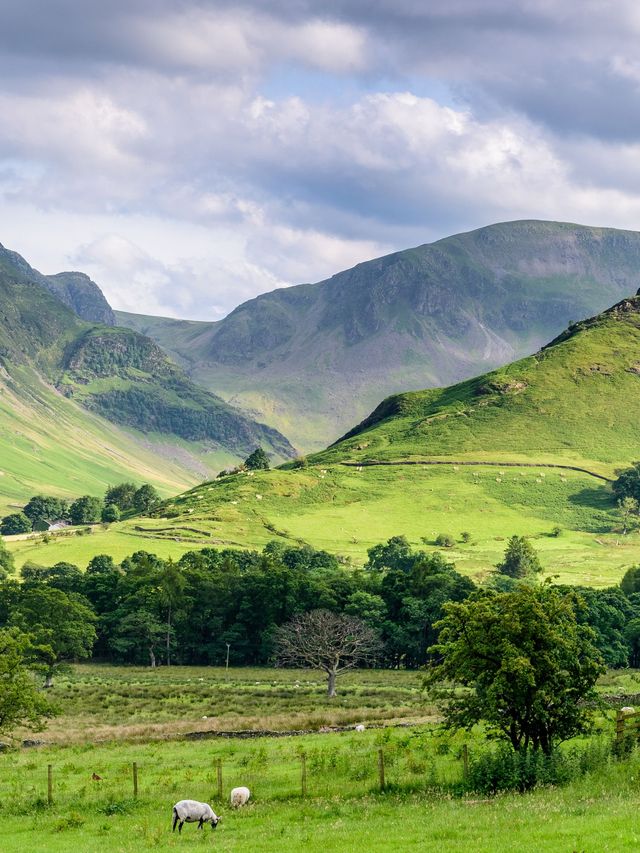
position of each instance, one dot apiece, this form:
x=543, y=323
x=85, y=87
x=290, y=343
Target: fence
x=280, y=771
x=627, y=725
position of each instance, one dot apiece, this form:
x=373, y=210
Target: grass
x=102, y=702
x=346, y=511
x=49, y=445
x=344, y=809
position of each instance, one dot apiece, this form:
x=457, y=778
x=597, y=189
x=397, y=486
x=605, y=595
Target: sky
x=191, y=155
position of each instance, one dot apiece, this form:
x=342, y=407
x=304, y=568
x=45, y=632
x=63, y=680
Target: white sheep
x=628, y=710
x=191, y=811
x=240, y=797
x=359, y=727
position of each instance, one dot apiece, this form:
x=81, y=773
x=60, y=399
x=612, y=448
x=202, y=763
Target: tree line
x=41, y=511
x=214, y=602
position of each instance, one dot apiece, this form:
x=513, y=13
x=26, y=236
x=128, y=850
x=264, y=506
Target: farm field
x=346, y=511
x=343, y=809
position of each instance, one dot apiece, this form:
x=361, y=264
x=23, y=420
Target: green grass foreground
x=343, y=809
x=144, y=716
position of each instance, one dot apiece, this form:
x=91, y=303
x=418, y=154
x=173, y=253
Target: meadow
x=346, y=510
x=343, y=808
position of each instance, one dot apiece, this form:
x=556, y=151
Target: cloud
x=193, y=154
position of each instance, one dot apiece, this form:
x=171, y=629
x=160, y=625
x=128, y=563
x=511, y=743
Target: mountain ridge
x=315, y=358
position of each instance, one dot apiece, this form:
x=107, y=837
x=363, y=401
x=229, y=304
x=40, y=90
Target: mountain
x=73, y=289
x=574, y=402
x=528, y=449
x=62, y=380
x=315, y=358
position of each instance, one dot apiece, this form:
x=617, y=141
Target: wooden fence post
x=465, y=760
x=135, y=778
x=303, y=780
x=219, y=774
x=49, y=784
x=381, y=769
x=619, y=726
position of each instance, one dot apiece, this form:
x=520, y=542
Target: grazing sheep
x=359, y=727
x=191, y=811
x=240, y=797
x=628, y=710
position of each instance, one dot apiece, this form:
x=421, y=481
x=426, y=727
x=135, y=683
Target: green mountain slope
x=55, y=369
x=522, y=450
x=313, y=359
x=575, y=402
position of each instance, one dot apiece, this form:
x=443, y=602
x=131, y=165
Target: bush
x=17, y=522
x=465, y=536
x=503, y=769
x=443, y=540
x=110, y=513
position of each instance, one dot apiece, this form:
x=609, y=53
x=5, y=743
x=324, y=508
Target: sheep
x=240, y=797
x=628, y=710
x=359, y=727
x=192, y=811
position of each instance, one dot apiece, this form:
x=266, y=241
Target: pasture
x=346, y=511
x=343, y=808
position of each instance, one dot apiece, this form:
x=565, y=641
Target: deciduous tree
x=328, y=641
x=528, y=666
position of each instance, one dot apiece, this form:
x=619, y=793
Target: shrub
x=443, y=540
x=465, y=536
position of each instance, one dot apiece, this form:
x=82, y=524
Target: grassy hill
x=521, y=450
x=312, y=360
x=84, y=405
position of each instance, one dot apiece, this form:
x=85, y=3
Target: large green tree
x=22, y=703
x=16, y=522
x=256, y=461
x=528, y=666
x=520, y=559
x=145, y=498
x=121, y=495
x=62, y=624
x=42, y=510
x=85, y=510
x=628, y=483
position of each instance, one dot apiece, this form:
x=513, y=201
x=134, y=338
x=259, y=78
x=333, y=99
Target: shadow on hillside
x=600, y=502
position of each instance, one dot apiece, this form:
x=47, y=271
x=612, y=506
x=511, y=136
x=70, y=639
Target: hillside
x=56, y=369
x=73, y=289
x=528, y=449
x=314, y=359
x=576, y=402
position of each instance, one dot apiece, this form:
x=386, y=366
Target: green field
x=344, y=809
x=345, y=510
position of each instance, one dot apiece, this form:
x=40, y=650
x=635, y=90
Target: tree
x=172, y=584
x=145, y=498
x=394, y=554
x=62, y=624
x=628, y=511
x=6, y=560
x=42, y=510
x=21, y=702
x=628, y=483
x=630, y=583
x=17, y=522
x=328, y=641
x=140, y=631
x=257, y=461
x=110, y=512
x=520, y=559
x=85, y=510
x=529, y=666
x=121, y=495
